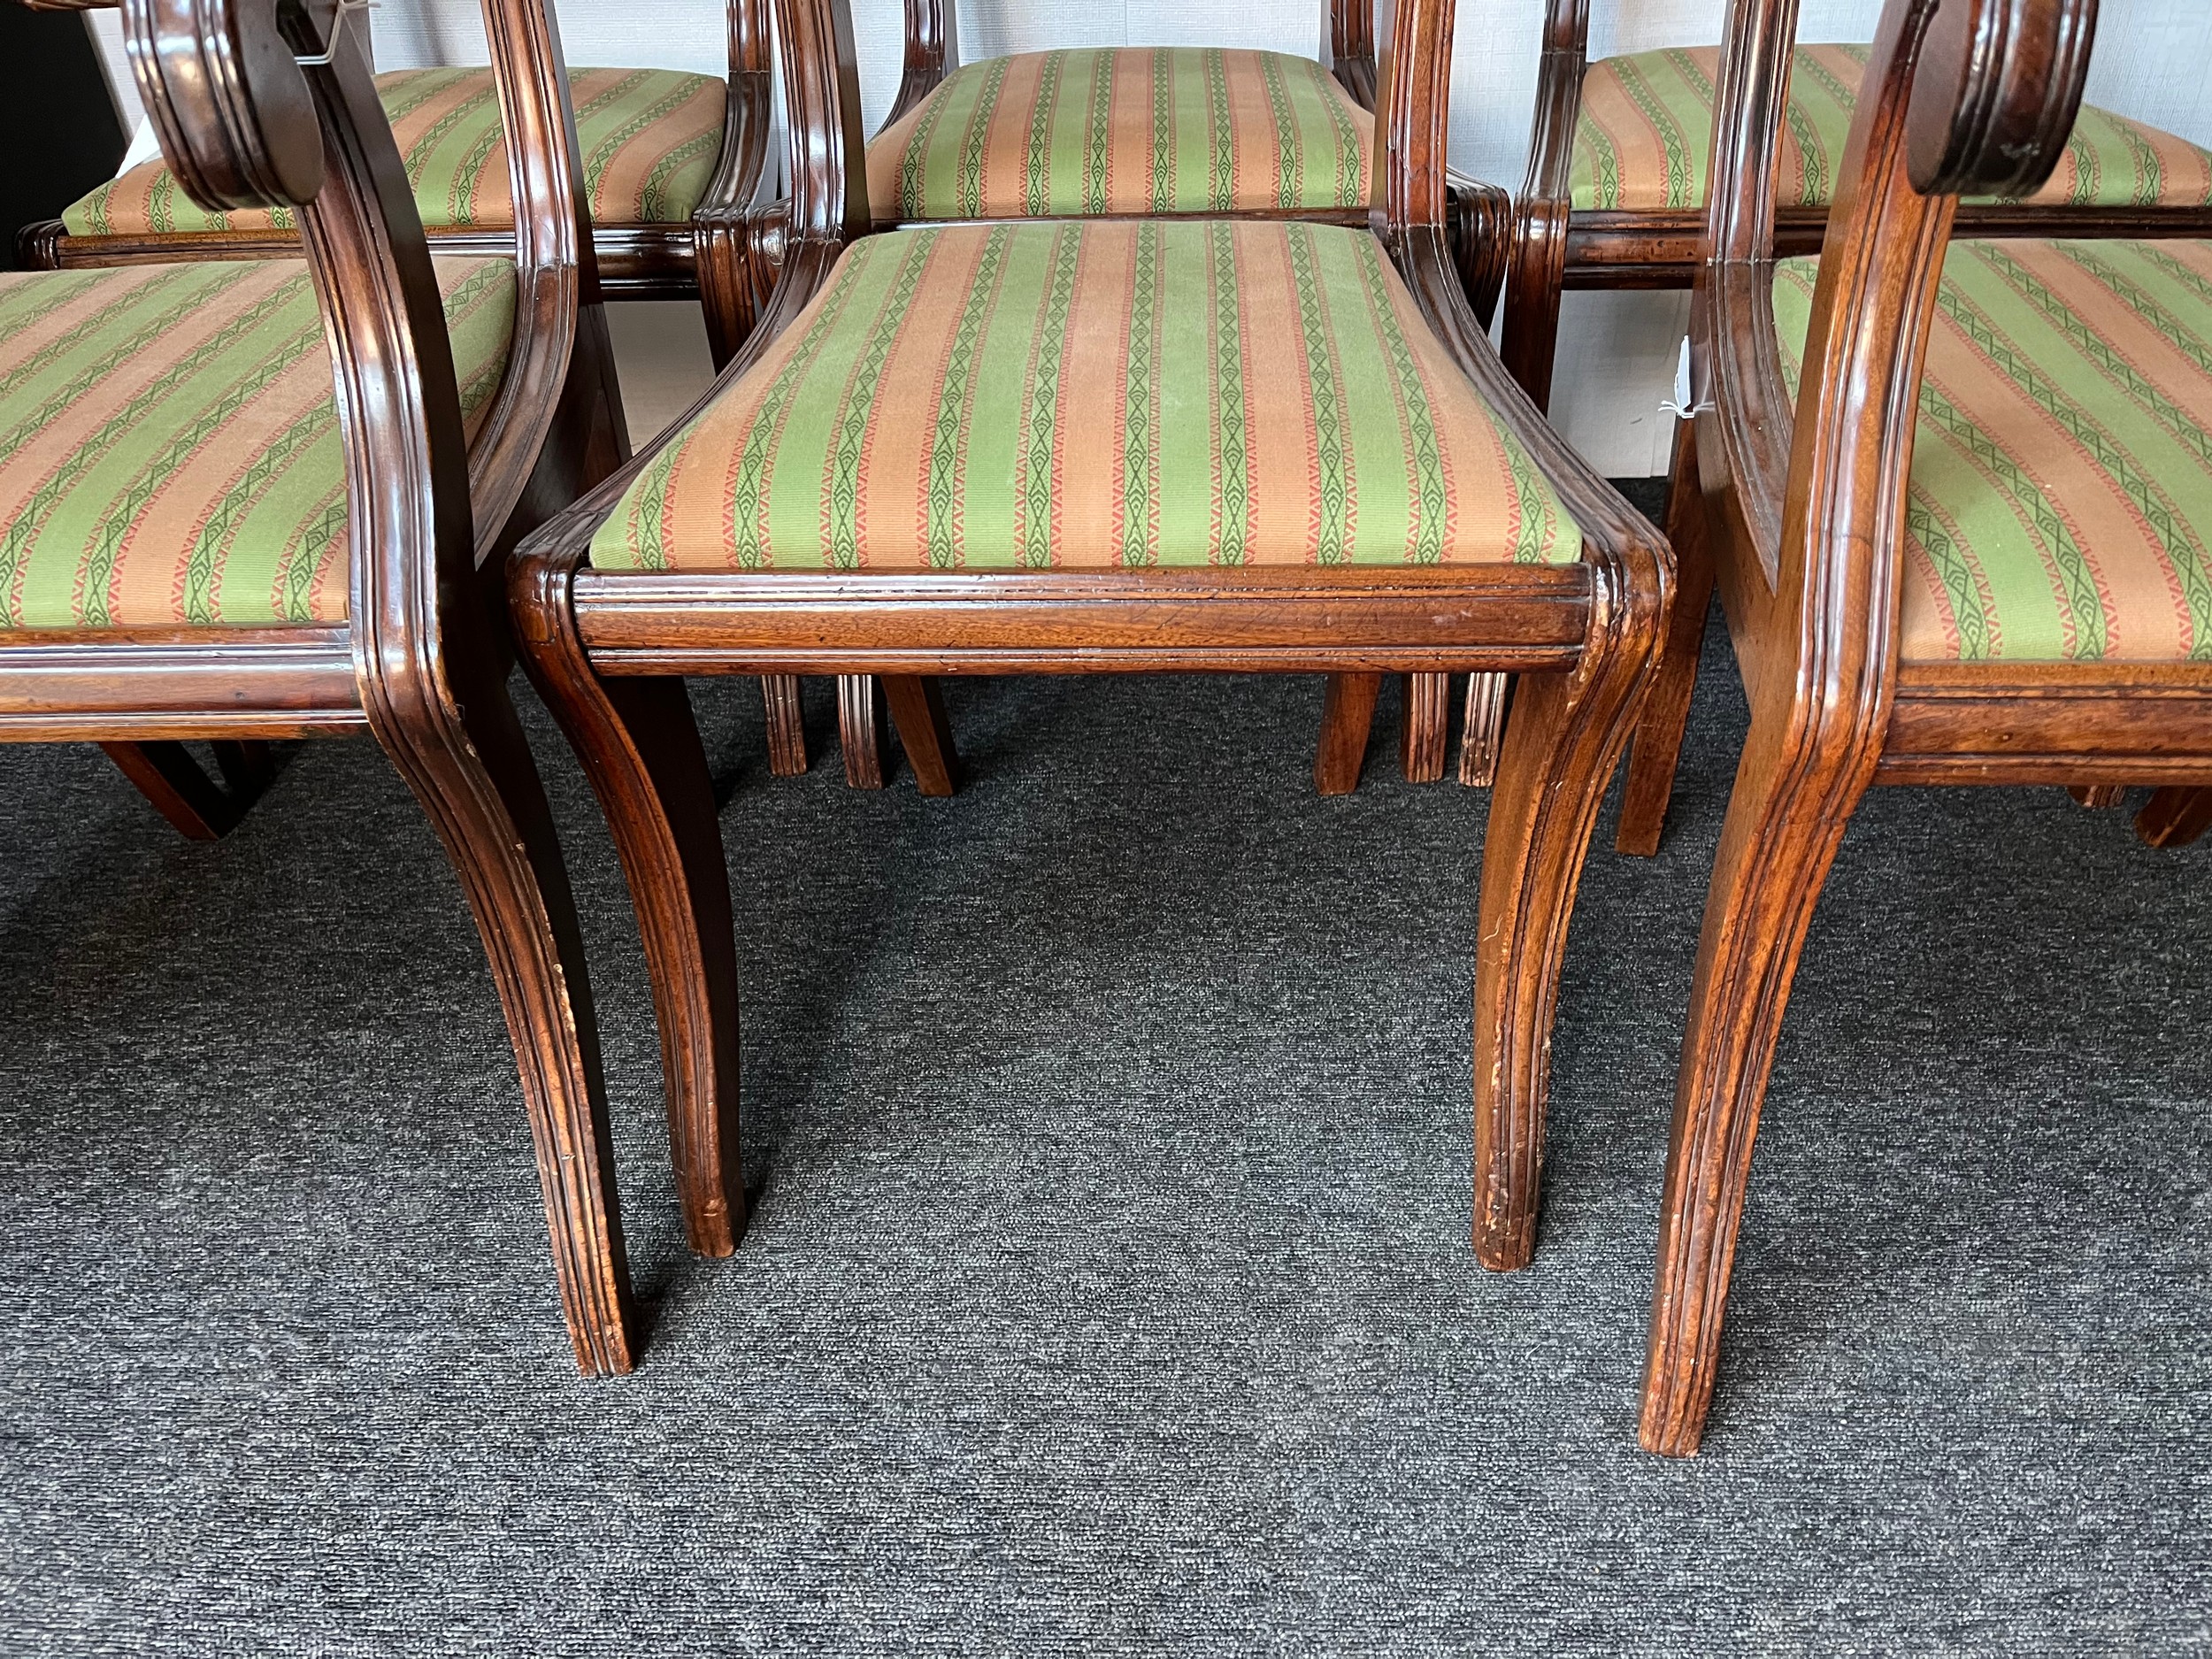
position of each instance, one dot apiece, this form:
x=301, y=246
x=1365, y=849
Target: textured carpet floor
x=1109, y=1289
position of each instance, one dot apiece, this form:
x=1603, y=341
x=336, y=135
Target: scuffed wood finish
x=1481, y=728
x=1584, y=635
x=423, y=660
x=1803, y=521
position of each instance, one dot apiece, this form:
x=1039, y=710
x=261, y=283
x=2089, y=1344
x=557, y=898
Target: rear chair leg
x=198, y=806
x=786, y=725
x=860, y=729
x=640, y=747
x=1658, y=748
x=2098, y=797
x=1348, y=713
x=1482, y=731
x=917, y=709
x=2176, y=815
x=1424, y=730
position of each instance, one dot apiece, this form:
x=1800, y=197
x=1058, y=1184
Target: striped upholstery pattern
x=1095, y=394
x=2062, y=478
x=650, y=139
x=1645, y=139
x=1181, y=129
x=169, y=447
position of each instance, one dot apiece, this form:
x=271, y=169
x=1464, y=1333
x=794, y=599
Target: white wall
x=2153, y=61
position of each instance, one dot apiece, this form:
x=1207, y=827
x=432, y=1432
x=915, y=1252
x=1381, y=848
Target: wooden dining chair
x=1098, y=446
x=1147, y=132
x=671, y=164
x=1620, y=150
x=242, y=501
x=2010, y=587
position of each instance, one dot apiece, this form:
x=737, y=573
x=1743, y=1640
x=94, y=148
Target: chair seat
x=1645, y=139
x=1093, y=395
x=2062, y=476
x=1179, y=129
x=650, y=139
x=169, y=445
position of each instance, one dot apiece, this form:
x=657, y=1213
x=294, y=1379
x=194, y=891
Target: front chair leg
x=176, y=786
x=1657, y=750
x=1785, y=822
x=2176, y=815
x=465, y=759
x=917, y=709
x=1561, y=746
x=640, y=747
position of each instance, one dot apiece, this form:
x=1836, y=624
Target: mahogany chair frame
x=1802, y=518
x=607, y=648
x=422, y=662
x=1478, y=222
x=1556, y=246
x=702, y=260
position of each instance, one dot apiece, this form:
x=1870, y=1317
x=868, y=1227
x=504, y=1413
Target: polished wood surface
x=1584, y=635
x=423, y=661
x=1798, y=512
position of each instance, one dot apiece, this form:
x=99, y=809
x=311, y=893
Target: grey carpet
x=1109, y=1287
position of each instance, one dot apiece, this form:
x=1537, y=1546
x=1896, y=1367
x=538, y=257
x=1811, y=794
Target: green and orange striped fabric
x=1095, y=394
x=1130, y=130
x=2062, y=478
x=169, y=445
x=651, y=140
x=1645, y=139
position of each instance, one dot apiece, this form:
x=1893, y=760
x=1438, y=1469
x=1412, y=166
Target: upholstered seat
x=1645, y=139
x=169, y=445
x=650, y=139
x=2061, y=477
x=1095, y=394
x=1182, y=129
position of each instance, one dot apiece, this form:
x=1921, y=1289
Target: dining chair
x=672, y=163
x=1957, y=495
x=251, y=500
x=1620, y=150
x=1097, y=446
x=1142, y=132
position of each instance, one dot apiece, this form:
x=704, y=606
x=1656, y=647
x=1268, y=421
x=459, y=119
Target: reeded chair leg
x=2098, y=797
x=860, y=729
x=1482, y=733
x=180, y=790
x=786, y=725
x=1657, y=750
x=1785, y=822
x=2175, y=816
x=1561, y=746
x=1348, y=715
x=640, y=747
x=1424, y=730
x=467, y=760
x=917, y=709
